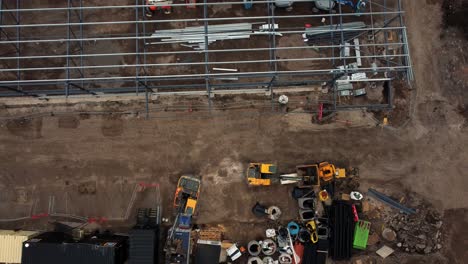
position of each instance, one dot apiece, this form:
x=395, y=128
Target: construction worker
x=155, y=5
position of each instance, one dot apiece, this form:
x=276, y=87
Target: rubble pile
x=417, y=233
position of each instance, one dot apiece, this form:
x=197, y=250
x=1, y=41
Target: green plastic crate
x=361, y=234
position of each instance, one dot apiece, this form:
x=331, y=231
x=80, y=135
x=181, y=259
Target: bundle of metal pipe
x=325, y=34
x=195, y=36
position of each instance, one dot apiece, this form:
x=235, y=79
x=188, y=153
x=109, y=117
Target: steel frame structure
x=81, y=77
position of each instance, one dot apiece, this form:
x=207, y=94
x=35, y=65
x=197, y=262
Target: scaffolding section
x=71, y=49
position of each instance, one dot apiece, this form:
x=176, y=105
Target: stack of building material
x=332, y=33
x=214, y=233
x=11, y=244
x=343, y=230
x=195, y=36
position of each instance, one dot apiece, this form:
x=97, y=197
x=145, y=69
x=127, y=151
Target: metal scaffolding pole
x=335, y=74
x=388, y=73
x=1, y=19
x=194, y=20
x=150, y=37
x=71, y=47
x=342, y=40
x=132, y=6
x=147, y=89
x=3, y=6
x=193, y=63
x=273, y=64
x=137, y=50
x=404, y=40
x=80, y=16
x=207, y=70
x=67, y=71
x=15, y=19
x=195, y=51
x=213, y=75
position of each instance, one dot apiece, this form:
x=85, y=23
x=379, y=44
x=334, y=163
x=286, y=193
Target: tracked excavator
x=177, y=248
x=264, y=174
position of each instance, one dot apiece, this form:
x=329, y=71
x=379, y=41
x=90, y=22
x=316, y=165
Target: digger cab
x=326, y=171
x=190, y=206
x=260, y=174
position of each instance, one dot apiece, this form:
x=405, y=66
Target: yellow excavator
x=261, y=174
x=186, y=195
x=328, y=171
x=264, y=174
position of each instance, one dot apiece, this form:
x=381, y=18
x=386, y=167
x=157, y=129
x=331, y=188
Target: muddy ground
x=56, y=155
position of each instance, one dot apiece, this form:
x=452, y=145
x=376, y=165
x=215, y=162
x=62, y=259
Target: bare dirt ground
x=55, y=155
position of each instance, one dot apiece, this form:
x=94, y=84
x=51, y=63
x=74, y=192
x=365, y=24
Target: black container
x=60, y=248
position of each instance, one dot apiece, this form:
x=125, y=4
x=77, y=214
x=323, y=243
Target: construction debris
x=389, y=234
x=385, y=251
x=419, y=233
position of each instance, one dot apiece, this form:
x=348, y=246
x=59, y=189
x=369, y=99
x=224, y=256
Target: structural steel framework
x=28, y=67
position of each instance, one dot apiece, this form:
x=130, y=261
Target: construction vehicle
x=313, y=175
x=177, y=248
x=328, y=171
x=186, y=195
x=261, y=174
x=158, y=5
x=264, y=174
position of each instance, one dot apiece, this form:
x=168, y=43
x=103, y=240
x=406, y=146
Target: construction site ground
x=90, y=162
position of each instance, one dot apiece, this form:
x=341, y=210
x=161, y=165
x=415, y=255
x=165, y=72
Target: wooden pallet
x=214, y=233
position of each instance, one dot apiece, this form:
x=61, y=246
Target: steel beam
x=195, y=51
x=18, y=45
x=192, y=63
x=194, y=20
x=202, y=76
x=67, y=70
x=201, y=34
